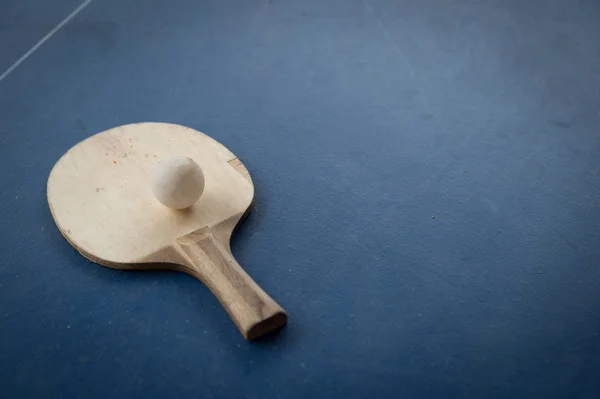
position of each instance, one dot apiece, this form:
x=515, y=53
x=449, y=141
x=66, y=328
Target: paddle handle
x=253, y=311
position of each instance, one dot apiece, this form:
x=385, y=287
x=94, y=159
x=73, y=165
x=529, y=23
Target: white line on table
x=45, y=38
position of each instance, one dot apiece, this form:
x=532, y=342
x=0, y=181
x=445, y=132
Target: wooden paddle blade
x=254, y=312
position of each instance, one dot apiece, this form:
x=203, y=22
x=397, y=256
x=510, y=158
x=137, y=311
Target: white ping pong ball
x=178, y=182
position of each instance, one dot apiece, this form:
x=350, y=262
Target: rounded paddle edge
x=235, y=163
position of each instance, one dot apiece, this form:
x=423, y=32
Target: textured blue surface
x=427, y=198
x=24, y=22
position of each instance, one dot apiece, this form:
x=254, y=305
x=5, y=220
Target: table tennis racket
x=101, y=199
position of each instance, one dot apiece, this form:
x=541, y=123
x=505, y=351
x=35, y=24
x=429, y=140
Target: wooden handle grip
x=254, y=312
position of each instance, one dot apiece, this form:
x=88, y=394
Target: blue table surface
x=427, y=197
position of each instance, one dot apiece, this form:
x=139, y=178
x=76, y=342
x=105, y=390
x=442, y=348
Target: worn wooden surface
x=100, y=195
